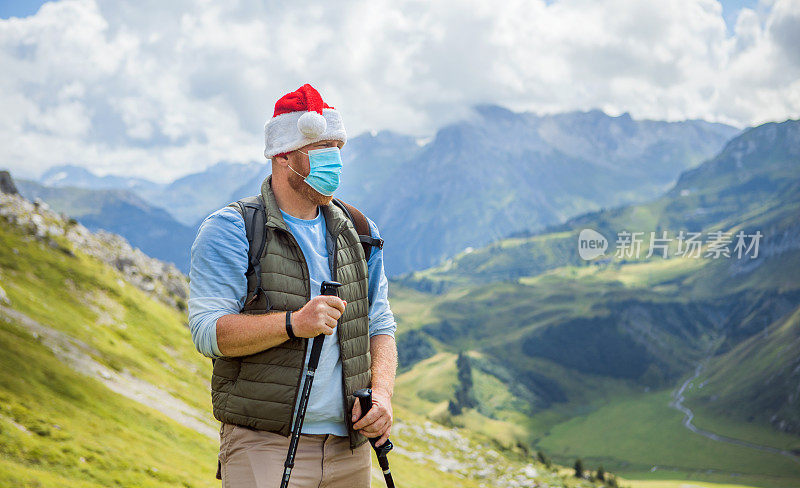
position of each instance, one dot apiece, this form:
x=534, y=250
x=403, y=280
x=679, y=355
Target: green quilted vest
x=260, y=390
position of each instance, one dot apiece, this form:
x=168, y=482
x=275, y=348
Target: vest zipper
x=348, y=423
x=305, y=340
x=334, y=277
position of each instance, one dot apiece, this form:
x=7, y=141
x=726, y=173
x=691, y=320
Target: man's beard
x=301, y=187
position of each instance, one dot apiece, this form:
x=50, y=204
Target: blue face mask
x=326, y=166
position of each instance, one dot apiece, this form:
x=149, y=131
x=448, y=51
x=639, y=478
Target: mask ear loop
x=295, y=172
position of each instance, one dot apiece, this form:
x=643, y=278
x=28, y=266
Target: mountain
x=191, y=198
x=500, y=172
x=483, y=178
x=149, y=228
x=187, y=199
x=586, y=358
x=69, y=175
x=754, y=172
x=105, y=388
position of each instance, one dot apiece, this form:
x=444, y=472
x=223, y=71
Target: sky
x=162, y=89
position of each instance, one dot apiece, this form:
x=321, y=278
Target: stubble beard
x=301, y=187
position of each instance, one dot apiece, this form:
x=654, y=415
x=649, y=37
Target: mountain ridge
x=120, y=211
x=481, y=178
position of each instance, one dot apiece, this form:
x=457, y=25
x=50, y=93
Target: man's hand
x=318, y=316
x=378, y=421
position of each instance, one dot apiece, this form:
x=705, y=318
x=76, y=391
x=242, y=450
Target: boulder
x=7, y=183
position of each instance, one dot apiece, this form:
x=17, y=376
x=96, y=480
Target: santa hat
x=301, y=118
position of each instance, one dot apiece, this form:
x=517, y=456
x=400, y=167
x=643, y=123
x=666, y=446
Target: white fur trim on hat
x=282, y=133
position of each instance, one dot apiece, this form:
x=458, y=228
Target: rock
x=3, y=296
x=7, y=184
x=41, y=204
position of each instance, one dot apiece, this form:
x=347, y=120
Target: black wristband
x=289, y=330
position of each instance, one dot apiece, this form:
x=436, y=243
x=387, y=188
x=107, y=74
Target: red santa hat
x=301, y=118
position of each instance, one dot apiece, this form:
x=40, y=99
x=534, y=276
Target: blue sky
x=731, y=8
x=18, y=8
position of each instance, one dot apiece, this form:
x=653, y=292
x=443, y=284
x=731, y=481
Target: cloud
x=160, y=89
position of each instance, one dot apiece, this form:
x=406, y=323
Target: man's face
x=299, y=162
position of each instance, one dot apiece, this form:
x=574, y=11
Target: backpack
x=255, y=216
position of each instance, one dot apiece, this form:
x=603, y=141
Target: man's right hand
x=318, y=316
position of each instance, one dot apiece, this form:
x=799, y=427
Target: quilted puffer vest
x=260, y=390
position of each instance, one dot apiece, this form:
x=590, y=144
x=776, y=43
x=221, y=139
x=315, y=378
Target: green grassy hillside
x=72, y=325
x=766, y=367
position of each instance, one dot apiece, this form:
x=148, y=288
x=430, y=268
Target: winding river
x=677, y=403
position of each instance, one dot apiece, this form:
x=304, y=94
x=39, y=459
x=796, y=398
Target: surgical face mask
x=326, y=166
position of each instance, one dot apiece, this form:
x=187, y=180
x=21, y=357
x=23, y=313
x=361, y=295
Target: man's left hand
x=378, y=421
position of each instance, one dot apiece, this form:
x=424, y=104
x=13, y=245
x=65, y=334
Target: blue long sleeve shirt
x=218, y=287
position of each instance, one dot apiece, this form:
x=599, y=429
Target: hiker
x=255, y=276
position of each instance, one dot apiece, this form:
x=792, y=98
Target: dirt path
x=677, y=403
x=77, y=355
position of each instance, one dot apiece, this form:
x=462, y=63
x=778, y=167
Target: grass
x=732, y=426
x=636, y=433
x=688, y=482
x=62, y=428
x=70, y=425
x=629, y=434
x=88, y=300
x=412, y=308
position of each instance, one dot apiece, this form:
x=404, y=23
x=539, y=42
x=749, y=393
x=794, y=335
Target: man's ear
x=281, y=159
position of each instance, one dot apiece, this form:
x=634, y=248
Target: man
x=259, y=339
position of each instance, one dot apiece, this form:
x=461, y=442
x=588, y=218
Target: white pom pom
x=312, y=125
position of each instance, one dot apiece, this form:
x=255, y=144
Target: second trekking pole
x=365, y=401
x=328, y=288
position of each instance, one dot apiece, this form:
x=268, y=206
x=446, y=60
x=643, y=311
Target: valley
x=582, y=358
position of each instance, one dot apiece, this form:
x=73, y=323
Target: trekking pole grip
x=365, y=401
x=329, y=288
x=326, y=288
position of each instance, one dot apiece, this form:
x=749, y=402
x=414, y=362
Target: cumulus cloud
x=161, y=89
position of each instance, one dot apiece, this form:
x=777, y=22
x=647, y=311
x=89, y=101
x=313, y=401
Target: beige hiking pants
x=252, y=458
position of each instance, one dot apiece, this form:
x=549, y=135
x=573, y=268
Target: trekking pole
x=327, y=288
x=365, y=399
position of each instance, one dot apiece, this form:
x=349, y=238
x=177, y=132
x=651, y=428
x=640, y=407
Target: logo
x=591, y=244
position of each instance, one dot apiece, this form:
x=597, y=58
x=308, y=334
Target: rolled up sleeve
x=217, y=283
x=381, y=318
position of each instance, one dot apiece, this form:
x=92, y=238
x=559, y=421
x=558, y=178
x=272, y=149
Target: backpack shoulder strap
x=255, y=218
x=362, y=227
